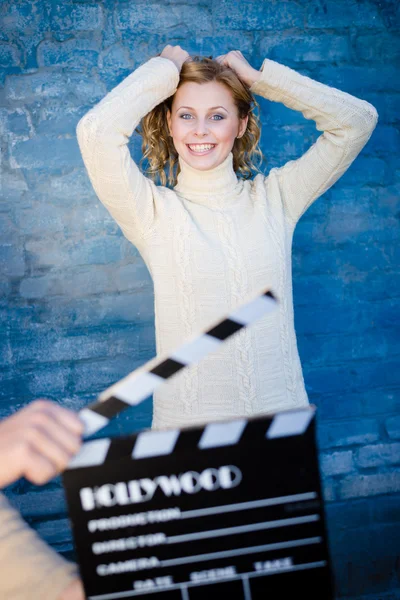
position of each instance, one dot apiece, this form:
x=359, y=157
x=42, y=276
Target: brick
x=339, y=406
x=381, y=402
x=82, y=17
x=76, y=53
x=393, y=427
x=344, y=516
x=277, y=114
x=132, y=276
x=353, y=580
x=35, y=504
x=18, y=124
x=385, y=509
x=10, y=55
x=342, y=14
x=386, y=139
x=359, y=376
x=42, y=152
x=32, y=87
x=54, y=531
x=29, y=87
x=284, y=144
x=12, y=261
x=377, y=455
x=99, y=250
x=295, y=49
x=328, y=489
x=347, y=433
x=115, y=57
x=342, y=349
x=356, y=486
x=43, y=219
x=152, y=17
x=13, y=185
x=336, y=463
x=308, y=235
x=8, y=230
x=105, y=309
x=325, y=290
x=217, y=43
x=39, y=287
x=387, y=201
x=45, y=382
x=387, y=106
x=66, y=189
x=360, y=80
x=365, y=170
x=373, y=286
x=325, y=320
x=5, y=349
x=5, y=288
x=93, y=377
x=358, y=230
x=40, y=345
x=377, y=47
x=262, y=15
x=24, y=15
x=305, y=261
x=7, y=392
x=89, y=220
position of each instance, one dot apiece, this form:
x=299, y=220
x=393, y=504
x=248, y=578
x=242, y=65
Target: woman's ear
x=169, y=122
x=242, y=126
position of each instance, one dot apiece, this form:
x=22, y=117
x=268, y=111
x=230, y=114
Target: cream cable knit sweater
x=29, y=568
x=213, y=240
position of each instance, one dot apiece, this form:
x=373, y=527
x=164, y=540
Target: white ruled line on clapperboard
x=160, y=483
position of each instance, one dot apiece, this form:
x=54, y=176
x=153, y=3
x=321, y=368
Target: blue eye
x=220, y=117
x=184, y=115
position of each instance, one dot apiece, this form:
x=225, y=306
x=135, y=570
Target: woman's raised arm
x=346, y=121
x=103, y=135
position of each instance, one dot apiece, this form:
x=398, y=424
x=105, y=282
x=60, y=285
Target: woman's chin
x=203, y=162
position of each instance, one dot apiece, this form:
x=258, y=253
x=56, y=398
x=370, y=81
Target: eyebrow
x=212, y=108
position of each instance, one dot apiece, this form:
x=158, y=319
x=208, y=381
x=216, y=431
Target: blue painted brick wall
x=76, y=299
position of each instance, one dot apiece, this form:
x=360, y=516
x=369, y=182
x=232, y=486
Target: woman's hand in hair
x=237, y=62
x=176, y=54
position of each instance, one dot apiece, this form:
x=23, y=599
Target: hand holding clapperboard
x=229, y=510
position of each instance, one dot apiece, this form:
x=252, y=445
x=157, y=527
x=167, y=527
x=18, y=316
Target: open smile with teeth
x=201, y=148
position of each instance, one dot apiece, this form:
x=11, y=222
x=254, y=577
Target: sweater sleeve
x=103, y=135
x=29, y=568
x=347, y=124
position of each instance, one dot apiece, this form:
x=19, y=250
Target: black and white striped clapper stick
x=142, y=382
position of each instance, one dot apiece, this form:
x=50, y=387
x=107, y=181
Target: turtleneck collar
x=215, y=187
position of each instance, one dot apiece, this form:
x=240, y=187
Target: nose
x=200, y=128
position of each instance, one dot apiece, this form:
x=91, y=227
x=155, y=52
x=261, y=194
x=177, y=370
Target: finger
x=65, y=417
x=67, y=439
x=38, y=468
x=56, y=430
x=40, y=439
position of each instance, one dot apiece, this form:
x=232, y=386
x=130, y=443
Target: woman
x=215, y=238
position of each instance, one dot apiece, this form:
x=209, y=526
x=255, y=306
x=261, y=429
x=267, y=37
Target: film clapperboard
x=230, y=509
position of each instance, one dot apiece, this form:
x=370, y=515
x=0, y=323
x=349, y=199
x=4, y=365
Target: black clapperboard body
x=232, y=508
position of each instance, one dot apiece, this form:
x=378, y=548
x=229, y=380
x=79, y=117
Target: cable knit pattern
x=214, y=239
x=29, y=567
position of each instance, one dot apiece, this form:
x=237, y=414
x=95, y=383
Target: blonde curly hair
x=157, y=146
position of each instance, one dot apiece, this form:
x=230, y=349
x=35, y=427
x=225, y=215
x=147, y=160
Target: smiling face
x=204, y=123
